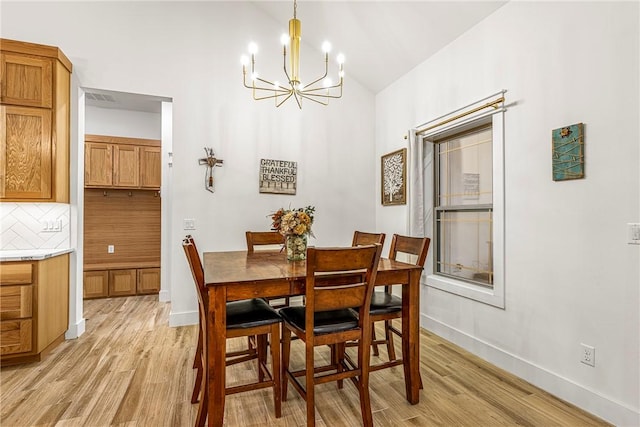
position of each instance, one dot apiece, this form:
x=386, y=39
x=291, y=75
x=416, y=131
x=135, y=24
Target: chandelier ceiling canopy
x=320, y=90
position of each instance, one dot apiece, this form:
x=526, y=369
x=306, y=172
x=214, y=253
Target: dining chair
x=385, y=306
x=327, y=318
x=263, y=238
x=267, y=240
x=250, y=351
x=363, y=238
x=252, y=317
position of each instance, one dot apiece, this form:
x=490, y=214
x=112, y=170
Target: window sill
x=494, y=297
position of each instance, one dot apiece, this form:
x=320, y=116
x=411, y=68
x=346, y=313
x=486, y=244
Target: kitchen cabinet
x=34, y=308
x=34, y=111
x=118, y=162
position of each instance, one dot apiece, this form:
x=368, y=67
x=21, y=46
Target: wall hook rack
x=210, y=161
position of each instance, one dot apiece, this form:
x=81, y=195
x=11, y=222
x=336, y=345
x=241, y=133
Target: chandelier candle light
x=320, y=90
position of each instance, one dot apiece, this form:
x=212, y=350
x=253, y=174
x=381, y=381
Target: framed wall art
x=568, y=152
x=394, y=178
x=278, y=176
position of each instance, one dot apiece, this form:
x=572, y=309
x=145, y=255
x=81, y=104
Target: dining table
x=237, y=275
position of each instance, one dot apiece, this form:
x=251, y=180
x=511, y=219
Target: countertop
x=31, y=254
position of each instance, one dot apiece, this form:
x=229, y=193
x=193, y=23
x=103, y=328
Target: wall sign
x=278, y=176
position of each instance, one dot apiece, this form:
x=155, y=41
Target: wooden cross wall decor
x=210, y=161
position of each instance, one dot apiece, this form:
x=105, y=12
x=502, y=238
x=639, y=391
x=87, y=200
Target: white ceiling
x=381, y=40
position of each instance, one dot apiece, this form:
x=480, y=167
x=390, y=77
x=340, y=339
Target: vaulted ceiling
x=384, y=39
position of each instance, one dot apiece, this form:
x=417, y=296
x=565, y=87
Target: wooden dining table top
x=224, y=268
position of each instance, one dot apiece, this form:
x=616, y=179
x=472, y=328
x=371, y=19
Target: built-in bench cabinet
x=118, y=282
x=121, y=216
x=34, y=308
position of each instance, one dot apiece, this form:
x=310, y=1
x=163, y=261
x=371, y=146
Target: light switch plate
x=189, y=224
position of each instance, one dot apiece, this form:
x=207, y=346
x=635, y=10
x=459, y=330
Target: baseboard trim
x=585, y=398
x=76, y=330
x=185, y=318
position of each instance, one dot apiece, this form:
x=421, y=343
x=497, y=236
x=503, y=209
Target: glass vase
x=296, y=247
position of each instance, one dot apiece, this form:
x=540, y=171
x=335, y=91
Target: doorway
x=139, y=118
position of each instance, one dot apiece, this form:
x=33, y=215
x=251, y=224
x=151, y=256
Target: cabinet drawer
x=14, y=273
x=16, y=302
x=15, y=336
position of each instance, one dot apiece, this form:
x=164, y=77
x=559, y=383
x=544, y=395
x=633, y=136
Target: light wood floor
x=131, y=369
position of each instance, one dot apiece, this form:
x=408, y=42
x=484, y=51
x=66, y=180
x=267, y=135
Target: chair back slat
x=361, y=262
x=262, y=238
x=334, y=298
x=361, y=238
x=418, y=246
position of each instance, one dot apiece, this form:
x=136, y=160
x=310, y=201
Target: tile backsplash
x=34, y=225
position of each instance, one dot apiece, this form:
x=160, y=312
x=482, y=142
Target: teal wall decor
x=568, y=152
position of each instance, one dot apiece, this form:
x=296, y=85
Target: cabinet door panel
x=15, y=336
x=98, y=164
x=26, y=80
x=122, y=282
x=96, y=284
x=25, y=153
x=125, y=166
x=150, y=167
x=148, y=281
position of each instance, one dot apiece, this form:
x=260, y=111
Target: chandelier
x=320, y=90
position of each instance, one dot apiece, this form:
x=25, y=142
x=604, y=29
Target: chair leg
x=196, y=359
x=262, y=355
x=286, y=351
x=197, y=364
x=376, y=352
x=363, y=384
x=201, y=418
x=391, y=351
x=310, y=389
x=198, y=383
x=275, y=369
x=339, y=359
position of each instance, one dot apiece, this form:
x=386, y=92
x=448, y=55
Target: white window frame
x=493, y=296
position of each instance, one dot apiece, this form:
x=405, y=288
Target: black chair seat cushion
x=250, y=313
x=325, y=322
x=383, y=303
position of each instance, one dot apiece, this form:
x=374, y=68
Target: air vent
x=99, y=97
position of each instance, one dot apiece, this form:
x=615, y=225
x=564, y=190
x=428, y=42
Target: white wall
x=190, y=52
x=125, y=123
x=571, y=277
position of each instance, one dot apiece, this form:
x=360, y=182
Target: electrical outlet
x=111, y=249
x=189, y=224
x=588, y=355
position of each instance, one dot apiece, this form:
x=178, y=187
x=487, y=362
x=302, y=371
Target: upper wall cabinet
x=34, y=110
x=116, y=162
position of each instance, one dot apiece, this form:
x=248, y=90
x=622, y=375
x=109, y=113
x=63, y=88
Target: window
x=463, y=206
x=466, y=193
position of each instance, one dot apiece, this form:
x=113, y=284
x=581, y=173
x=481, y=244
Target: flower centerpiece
x=295, y=226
